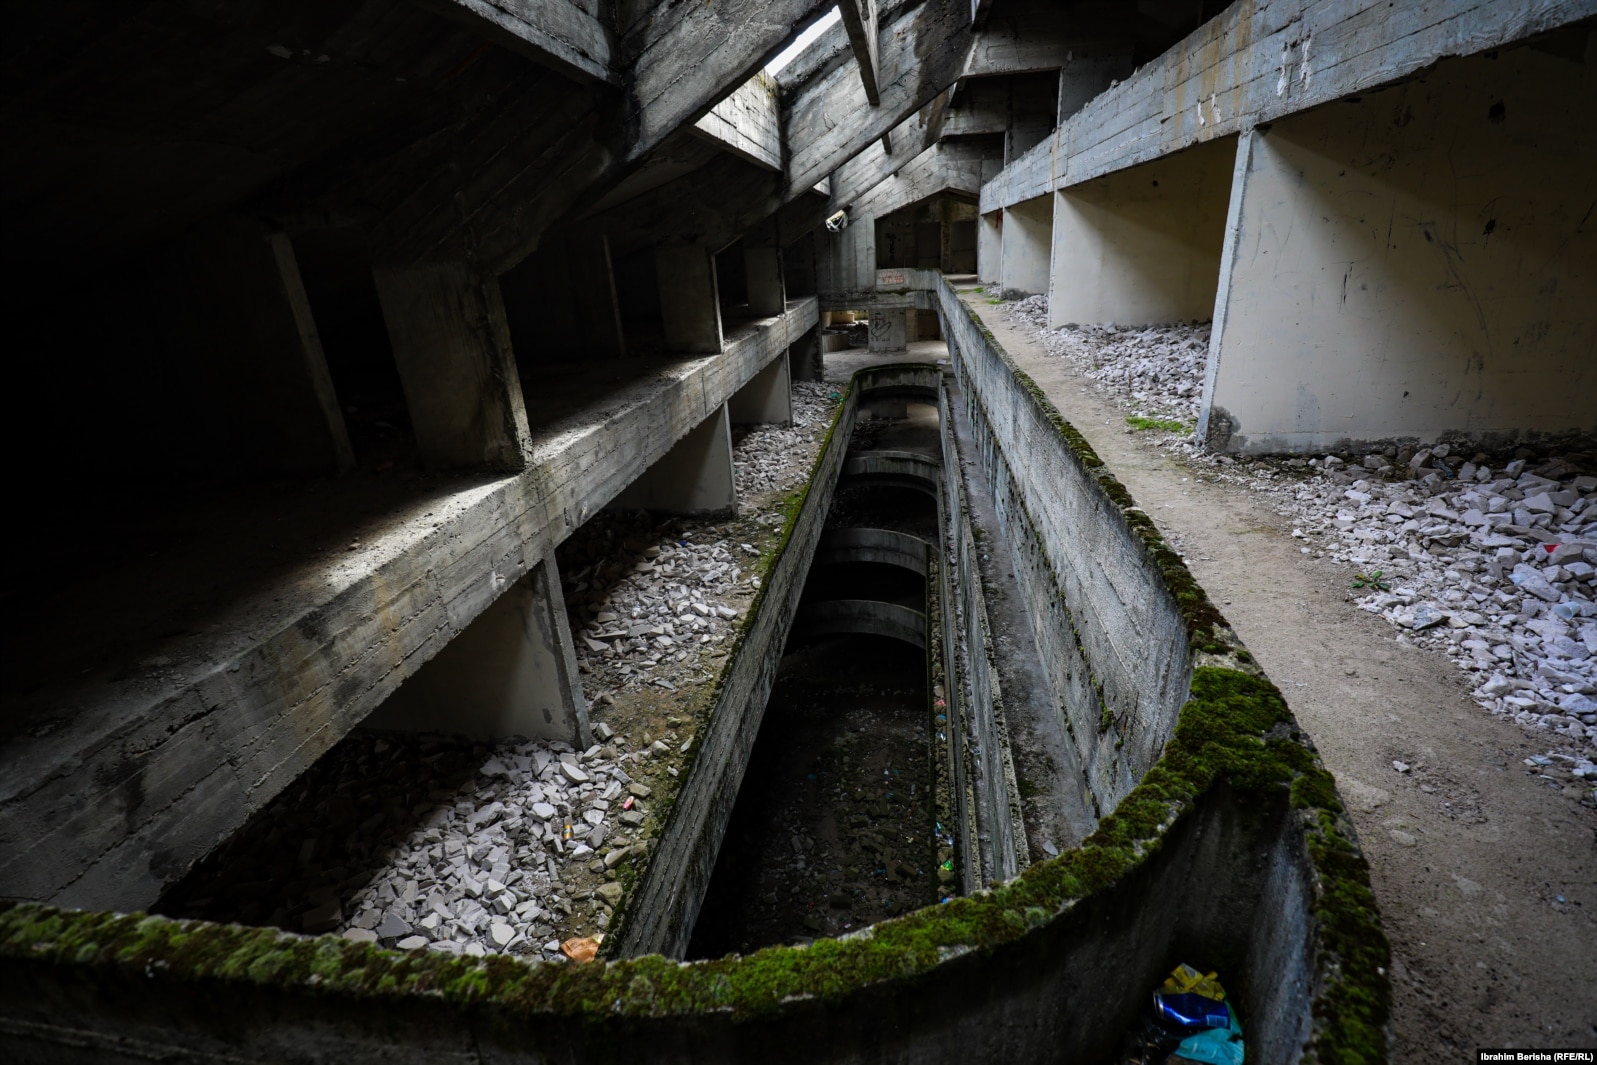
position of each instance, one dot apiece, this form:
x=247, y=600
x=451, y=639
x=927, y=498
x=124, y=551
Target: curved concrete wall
x=884, y=546
x=1231, y=849
x=866, y=617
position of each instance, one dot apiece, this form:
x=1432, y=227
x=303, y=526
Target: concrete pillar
x=238, y=313
x=1026, y=247
x=689, y=305
x=804, y=356
x=887, y=330
x=694, y=477
x=1142, y=245
x=594, y=300
x=762, y=259
x=510, y=672
x=1407, y=279
x=989, y=247
x=447, y=327
x=765, y=400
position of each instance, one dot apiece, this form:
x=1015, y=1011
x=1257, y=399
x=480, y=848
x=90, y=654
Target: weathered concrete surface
x=831, y=120
x=1257, y=61
x=765, y=400
x=1027, y=248
x=511, y=672
x=747, y=123
x=1110, y=631
x=665, y=905
x=114, y=785
x=689, y=302
x=694, y=477
x=1142, y=245
x=1419, y=263
x=860, y=19
x=572, y=36
x=885, y=546
x=868, y=617
x=447, y=327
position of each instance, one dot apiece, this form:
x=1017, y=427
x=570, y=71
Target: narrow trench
x=836, y=823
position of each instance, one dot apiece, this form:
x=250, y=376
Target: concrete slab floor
x=1484, y=953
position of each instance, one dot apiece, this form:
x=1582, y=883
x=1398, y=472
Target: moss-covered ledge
x=1235, y=729
x=1235, y=746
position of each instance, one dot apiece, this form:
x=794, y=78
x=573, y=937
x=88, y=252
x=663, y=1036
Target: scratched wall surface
x=1421, y=261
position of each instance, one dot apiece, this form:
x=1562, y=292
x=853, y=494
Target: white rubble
x=1488, y=560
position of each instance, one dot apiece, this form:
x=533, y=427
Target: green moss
x=1168, y=425
x=1234, y=729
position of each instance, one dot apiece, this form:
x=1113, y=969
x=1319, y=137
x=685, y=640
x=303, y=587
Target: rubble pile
x=776, y=458
x=651, y=598
x=1489, y=560
x=525, y=856
x=417, y=842
x=1155, y=371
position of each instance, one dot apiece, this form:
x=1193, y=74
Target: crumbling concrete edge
x=1234, y=734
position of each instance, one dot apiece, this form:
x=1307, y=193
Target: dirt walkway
x=1486, y=877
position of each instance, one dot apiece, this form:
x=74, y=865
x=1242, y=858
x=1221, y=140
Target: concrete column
x=594, y=300
x=1407, y=279
x=1142, y=245
x=510, y=672
x=1026, y=247
x=989, y=247
x=762, y=259
x=765, y=400
x=239, y=315
x=447, y=327
x=694, y=477
x=804, y=357
x=887, y=330
x=689, y=304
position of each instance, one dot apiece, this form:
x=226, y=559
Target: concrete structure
x=356, y=312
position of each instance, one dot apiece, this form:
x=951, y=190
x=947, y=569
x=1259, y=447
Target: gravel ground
x=1486, y=558
x=523, y=847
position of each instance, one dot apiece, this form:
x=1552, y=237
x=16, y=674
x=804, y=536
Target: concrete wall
x=1417, y=263
x=511, y=672
x=989, y=246
x=747, y=123
x=1142, y=245
x=662, y=909
x=694, y=477
x=1026, y=248
x=1109, y=629
x=117, y=802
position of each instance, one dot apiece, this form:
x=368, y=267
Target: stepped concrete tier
x=1219, y=836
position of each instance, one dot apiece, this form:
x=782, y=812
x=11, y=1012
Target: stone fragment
x=501, y=934
x=413, y=943
x=610, y=891
x=573, y=773
x=392, y=926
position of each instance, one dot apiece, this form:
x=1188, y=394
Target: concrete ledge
x=113, y=786
x=1255, y=62
x=1231, y=847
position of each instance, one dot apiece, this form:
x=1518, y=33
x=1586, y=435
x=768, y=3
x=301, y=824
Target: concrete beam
x=804, y=361
x=689, y=303
x=1411, y=279
x=121, y=793
x=831, y=120
x=1257, y=61
x=694, y=477
x=859, y=20
x=766, y=400
x=450, y=339
x=876, y=162
x=683, y=57
x=990, y=247
x=1027, y=248
x=942, y=168
x=747, y=123
x=238, y=316
x=1142, y=246
x=511, y=672
x=568, y=35
x=885, y=546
